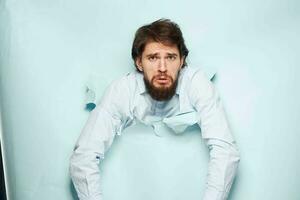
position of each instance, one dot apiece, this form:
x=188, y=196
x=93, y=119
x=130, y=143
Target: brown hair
x=162, y=30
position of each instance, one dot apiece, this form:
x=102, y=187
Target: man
x=163, y=87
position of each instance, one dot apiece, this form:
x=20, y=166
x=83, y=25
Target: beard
x=162, y=93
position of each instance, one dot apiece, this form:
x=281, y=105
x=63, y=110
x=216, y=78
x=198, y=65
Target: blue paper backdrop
x=50, y=50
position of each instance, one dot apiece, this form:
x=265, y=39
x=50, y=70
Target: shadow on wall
x=2, y=182
x=73, y=191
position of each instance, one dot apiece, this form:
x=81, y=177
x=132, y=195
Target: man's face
x=160, y=64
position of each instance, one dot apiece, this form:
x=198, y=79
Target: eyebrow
x=155, y=54
x=151, y=54
x=173, y=54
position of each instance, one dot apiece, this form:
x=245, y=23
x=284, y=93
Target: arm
x=95, y=139
x=224, y=159
x=224, y=155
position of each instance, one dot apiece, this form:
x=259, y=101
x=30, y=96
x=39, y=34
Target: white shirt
x=126, y=102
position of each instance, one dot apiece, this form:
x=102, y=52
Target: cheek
x=174, y=69
x=174, y=74
x=149, y=72
x=148, y=75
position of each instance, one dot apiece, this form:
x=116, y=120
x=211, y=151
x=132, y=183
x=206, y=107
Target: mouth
x=162, y=79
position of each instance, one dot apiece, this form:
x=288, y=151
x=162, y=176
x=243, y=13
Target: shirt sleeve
x=95, y=139
x=224, y=154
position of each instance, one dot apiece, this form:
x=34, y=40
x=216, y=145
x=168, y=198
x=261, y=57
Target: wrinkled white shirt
x=126, y=102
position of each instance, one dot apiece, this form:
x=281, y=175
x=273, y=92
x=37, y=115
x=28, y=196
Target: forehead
x=157, y=47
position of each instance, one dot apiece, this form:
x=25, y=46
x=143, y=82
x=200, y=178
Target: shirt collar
x=142, y=87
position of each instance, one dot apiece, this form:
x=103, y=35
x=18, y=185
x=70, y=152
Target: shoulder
x=121, y=86
x=195, y=78
x=199, y=86
x=118, y=95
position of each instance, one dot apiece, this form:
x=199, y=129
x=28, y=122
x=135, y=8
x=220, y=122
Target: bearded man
x=162, y=86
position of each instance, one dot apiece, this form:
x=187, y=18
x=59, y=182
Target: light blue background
x=50, y=51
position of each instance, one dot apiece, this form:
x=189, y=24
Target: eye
x=152, y=58
x=171, y=57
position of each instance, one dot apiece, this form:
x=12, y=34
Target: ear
x=138, y=63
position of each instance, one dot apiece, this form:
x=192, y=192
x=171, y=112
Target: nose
x=162, y=65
